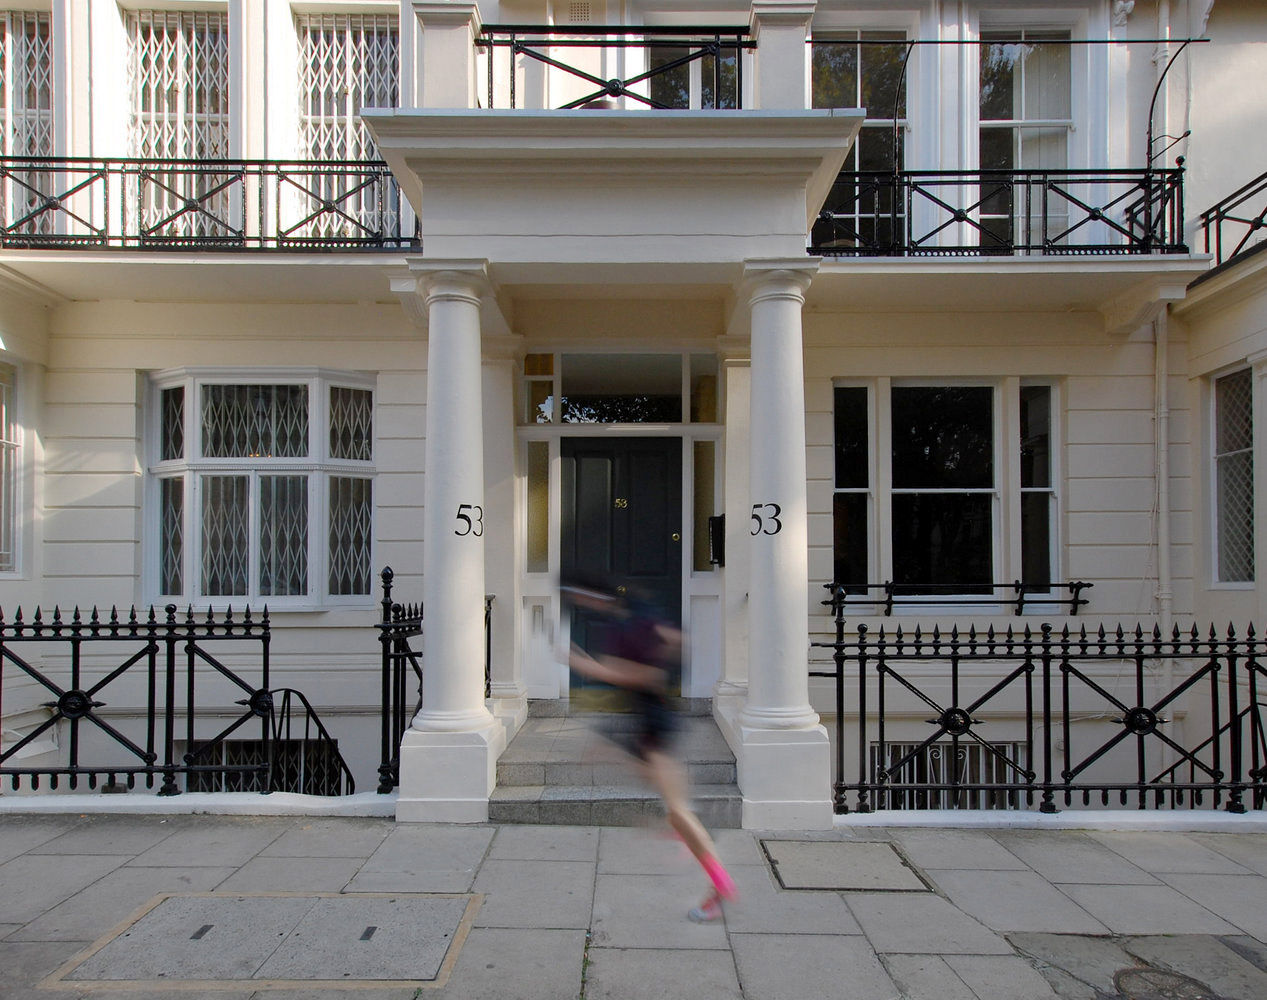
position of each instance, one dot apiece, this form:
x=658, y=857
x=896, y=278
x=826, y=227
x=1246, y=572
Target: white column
x=781, y=28
x=447, y=758
x=785, y=771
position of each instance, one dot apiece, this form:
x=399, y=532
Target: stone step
x=719, y=806
x=511, y=774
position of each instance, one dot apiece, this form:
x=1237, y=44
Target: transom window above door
x=619, y=389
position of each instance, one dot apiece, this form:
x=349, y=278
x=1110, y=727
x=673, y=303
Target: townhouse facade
x=730, y=301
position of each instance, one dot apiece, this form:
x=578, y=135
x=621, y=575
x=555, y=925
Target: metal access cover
x=842, y=866
x=1145, y=983
x=206, y=940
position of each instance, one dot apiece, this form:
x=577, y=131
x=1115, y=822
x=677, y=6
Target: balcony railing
x=75, y=203
x=930, y=213
x=598, y=65
x=1238, y=223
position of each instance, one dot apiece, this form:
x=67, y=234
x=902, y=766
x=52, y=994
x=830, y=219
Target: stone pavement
x=232, y=907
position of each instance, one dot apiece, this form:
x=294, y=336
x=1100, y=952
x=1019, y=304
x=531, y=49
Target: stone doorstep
x=719, y=806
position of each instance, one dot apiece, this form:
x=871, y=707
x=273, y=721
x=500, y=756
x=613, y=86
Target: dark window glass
x=850, y=537
x=943, y=437
x=1035, y=435
x=942, y=543
x=670, y=87
x=851, y=438
x=1036, y=538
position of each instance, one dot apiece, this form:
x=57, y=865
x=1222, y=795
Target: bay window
x=264, y=489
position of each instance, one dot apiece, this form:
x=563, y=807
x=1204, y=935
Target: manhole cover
x=1157, y=984
x=841, y=866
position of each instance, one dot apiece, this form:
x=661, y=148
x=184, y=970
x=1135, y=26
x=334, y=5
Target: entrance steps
x=560, y=769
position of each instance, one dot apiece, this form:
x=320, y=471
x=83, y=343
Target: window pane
x=1235, y=475
x=704, y=388
x=225, y=538
x=10, y=443
x=283, y=535
x=672, y=87
x=834, y=75
x=1233, y=400
x=622, y=388
x=942, y=543
x=1035, y=435
x=999, y=73
x=538, y=513
x=1036, y=538
x=351, y=424
x=943, y=437
x=719, y=82
x=254, y=421
x=173, y=429
x=171, y=542
x=850, y=540
x=882, y=81
x=351, y=508
x=851, y=438
x=1047, y=76
x=705, y=481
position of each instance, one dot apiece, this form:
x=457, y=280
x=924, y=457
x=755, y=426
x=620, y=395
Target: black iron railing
x=1237, y=223
x=76, y=203
x=646, y=66
x=968, y=719
x=1014, y=596
x=931, y=213
x=400, y=626
x=133, y=697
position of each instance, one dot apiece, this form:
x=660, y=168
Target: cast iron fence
x=931, y=213
x=1015, y=596
x=80, y=203
x=401, y=624
x=649, y=66
x=1238, y=222
x=1117, y=717
x=156, y=677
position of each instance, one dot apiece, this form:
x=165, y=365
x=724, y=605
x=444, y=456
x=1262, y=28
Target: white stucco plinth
x=448, y=777
x=785, y=778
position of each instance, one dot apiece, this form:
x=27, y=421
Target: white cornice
x=17, y=284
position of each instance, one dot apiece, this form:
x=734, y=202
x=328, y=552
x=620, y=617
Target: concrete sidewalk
x=265, y=906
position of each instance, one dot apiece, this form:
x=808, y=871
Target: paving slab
x=1069, y=857
x=231, y=840
x=649, y=911
x=619, y=974
x=347, y=837
x=1146, y=909
x=19, y=834
x=292, y=875
x=1246, y=849
x=972, y=849
x=33, y=883
x=1167, y=852
x=1000, y=977
x=926, y=977
x=861, y=867
x=93, y=911
x=1078, y=967
x=423, y=858
x=514, y=964
x=1207, y=959
x=27, y=962
x=642, y=851
x=796, y=966
x=765, y=907
x=543, y=894
x=1239, y=899
x=545, y=843
x=909, y=923
x=1016, y=901
x=113, y=835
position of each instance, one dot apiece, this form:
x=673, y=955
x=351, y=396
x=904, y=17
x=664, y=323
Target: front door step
x=559, y=770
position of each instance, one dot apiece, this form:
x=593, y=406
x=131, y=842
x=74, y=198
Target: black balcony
x=1237, y=225
x=963, y=213
x=131, y=204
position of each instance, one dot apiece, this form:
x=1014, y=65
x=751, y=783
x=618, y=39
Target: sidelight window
x=1234, y=477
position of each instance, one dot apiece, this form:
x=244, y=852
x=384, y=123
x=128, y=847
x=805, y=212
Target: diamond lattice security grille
x=225, y=527
x=351, y=509
x=1234, y=476
x=283, y=535
x=26, y=115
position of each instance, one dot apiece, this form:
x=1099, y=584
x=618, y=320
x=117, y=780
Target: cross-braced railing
x=76, y=203
x=986, y=719
x=572, y=66
x=1237, y=223
x=930, y=213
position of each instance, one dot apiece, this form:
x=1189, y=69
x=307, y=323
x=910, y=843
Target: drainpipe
x=1165, y=593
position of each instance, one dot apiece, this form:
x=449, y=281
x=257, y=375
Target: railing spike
x=1156, y=632
x=57, y=614
x=1249, y=630
x=38, y=620
x=1231, y=631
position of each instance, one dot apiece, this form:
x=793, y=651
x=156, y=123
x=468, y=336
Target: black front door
x=622, y=519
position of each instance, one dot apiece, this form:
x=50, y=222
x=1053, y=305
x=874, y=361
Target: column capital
x=451, y=280
x=787, y=277
x=783, y=13
x=448, y=12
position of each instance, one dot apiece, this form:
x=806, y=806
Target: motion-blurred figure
x=640, y=655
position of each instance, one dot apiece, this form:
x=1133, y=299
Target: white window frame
x=1212, y=473
x=318, y=465
x=13, y=479
x=1005, y=492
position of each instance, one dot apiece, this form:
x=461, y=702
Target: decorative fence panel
x=1238, y=223
x=986, y=719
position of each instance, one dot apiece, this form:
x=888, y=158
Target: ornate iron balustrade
x=620, y=58
x=75, y=203
x=400, y=625
x=1238, y=223
x=941, y=693
x=1015, y=595
x=954, y=213
x=158, y=667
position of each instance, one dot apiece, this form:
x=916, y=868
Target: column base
x=784, y=776
x=447, y=777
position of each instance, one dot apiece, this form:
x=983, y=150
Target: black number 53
x=470, y=525
x=765, y=519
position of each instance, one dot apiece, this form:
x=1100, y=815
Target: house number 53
x=471, y=516
x=765, y=519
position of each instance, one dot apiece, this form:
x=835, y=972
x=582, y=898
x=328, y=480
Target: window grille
x=346, y=62
x=10, y=440
x=306, y=767
x=179, y=80
x=26, y=113
x=942, y=763
x=1234, y=476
